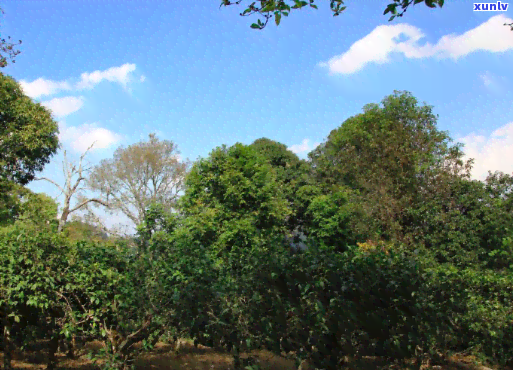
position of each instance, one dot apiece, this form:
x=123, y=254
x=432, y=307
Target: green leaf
x=277, y=18
x=255, y=26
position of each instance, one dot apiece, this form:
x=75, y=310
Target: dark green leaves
x=28, y=134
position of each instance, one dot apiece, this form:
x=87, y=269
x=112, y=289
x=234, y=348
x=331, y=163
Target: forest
x=379, y=250
x=379, y=244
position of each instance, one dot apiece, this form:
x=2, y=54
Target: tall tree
x=144, y=173
x=74, y=175
x=393, y=156
x=28, y=133
x=235, y=209
x=293, y=173
x=28, y=139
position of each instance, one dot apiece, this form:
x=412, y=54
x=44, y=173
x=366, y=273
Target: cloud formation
x=81, y=137
x=44, y=87
x=62, y=107
x=493, y=152
x=377, y=46
x=119, y=74
x=304, y=147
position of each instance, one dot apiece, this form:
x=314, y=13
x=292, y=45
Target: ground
x=188, y=357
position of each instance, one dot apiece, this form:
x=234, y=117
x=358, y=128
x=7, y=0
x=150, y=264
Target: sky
x=114, y=71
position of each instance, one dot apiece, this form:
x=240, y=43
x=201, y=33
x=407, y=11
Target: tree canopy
x=139, y=175
x=28, y=133
x=403, y=256
x=393, y=155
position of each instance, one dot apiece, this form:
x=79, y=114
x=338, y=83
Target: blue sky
x=114, y=71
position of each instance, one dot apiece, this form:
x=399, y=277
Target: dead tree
x=72, y=188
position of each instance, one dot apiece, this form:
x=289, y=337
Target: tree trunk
x=237, y=363
x=7, y=343
x=71, y=347
x=62, y=220
x=52, y=350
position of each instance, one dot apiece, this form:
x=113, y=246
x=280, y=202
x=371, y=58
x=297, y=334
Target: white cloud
x=304, y=147
x=81, y=137
x=494, y=153
x=378, y=45
x=114, y=74
x=142, y=79
x=62, y=107
x=41, y=87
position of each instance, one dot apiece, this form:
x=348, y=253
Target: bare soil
x=164, y=356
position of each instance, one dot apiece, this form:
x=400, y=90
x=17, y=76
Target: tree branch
x=51, y=181
x=83, y=203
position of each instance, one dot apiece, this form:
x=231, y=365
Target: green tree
x=268, y=9
x=77, y=230
x=293, y=174
x=235, y=208
x=317, y=214
x=236, y=194
x=28, y=134
x=23, y=205
x=394, y=157
x=469, y=224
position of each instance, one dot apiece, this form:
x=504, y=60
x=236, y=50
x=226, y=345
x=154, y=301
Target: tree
x=77, y=229
x=22, y=205
x=7, y=49
x=235, y=209
x=71, y=189
x=235, y=196
x=292, y=173
x=28, y=134
x=394, y=157
x=278, y=8
x=144, y=173
x=28, y=138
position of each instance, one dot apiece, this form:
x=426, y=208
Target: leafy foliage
x=28, y=134
x=396, y=159
x=404, y=256
x=268, y=9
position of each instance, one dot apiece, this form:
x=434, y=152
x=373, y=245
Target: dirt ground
x=164, y=356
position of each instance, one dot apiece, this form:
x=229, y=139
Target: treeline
x=380, y=244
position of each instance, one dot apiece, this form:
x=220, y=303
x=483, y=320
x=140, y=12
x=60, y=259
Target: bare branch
x=83, y=203
x=51, y=181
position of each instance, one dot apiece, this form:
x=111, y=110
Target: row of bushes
x=320, y=305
